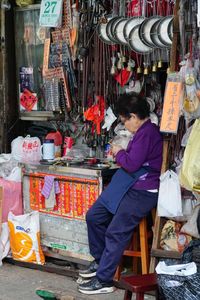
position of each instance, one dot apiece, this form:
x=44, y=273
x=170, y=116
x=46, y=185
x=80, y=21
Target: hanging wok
x=110, y=29
x=119, y=31
x=130, y=24
x=154, y=36
x=145, y=31
x=164, y=30
x=101, y=30
x=135, y=42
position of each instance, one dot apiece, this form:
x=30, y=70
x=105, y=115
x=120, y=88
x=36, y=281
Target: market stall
x=73, y=60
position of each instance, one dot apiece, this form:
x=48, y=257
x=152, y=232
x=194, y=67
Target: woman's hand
x=115, y=149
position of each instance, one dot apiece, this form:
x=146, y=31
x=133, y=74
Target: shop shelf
x=40, y=115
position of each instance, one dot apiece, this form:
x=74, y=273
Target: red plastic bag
x=123, y=77
x=96, y=113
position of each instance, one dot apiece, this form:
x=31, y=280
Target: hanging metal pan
x=145, y=30
x=163, y=30
x=119, y=31
x=110, y=28
x=101, y=30
x=135, y=42
x=130, y=24
x=154, y=36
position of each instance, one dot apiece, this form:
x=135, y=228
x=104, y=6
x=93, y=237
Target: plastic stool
x=138, y=284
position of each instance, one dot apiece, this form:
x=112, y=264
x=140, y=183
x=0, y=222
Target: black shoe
x=94, y=286
x=90, y=271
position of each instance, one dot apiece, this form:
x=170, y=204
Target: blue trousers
x=109, y=234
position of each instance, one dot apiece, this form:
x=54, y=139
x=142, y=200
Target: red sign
x=28, y=100
x=75, y=198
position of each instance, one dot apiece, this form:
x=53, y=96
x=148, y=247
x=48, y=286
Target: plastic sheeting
x=12, y=198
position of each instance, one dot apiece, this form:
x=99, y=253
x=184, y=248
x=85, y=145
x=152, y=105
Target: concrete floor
x=17, y=283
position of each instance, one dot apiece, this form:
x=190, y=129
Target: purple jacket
x=145, y=149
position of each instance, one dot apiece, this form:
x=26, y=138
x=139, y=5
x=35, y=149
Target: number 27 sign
x=51, y=13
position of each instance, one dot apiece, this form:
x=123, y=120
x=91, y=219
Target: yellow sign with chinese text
x=171, y=107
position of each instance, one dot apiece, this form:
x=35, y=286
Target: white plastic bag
x=26, y=149
x=15, y=175
x=186, y=136
x=122, y=137
x=169, y=198
x=7, y=165
x=25, y=237
x=16, y=148
x=191, y=226
x=180, y=270
x=4, y=241
x=109, y=119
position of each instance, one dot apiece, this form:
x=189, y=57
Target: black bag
x=192, y=253
x=174, y=287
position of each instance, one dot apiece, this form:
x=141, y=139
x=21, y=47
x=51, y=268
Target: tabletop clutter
x=65, y=150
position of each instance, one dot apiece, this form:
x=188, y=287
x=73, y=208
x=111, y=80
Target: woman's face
x=133, y=123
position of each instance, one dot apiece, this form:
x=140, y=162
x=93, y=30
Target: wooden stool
x=138, y=284
x=143, y=252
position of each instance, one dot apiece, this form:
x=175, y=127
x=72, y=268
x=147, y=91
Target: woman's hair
x=132, y=103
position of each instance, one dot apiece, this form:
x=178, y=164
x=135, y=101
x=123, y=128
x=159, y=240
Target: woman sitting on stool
x=130, y=196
